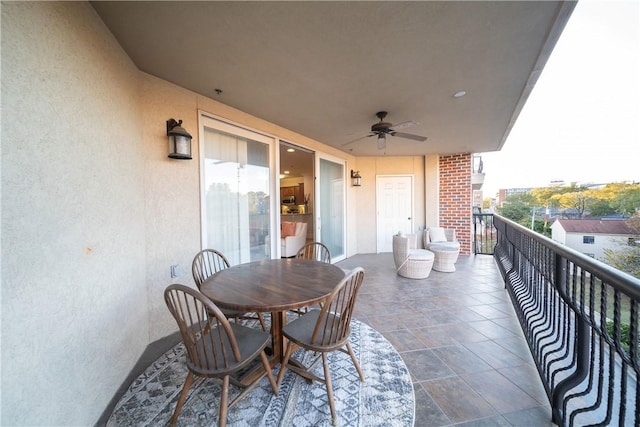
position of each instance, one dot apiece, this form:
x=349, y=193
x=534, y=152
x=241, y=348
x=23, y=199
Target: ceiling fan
x=382, y=129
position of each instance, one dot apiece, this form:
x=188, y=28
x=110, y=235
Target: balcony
x=547, y=348
x=477, y=175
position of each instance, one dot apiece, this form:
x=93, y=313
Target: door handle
x=409, y=218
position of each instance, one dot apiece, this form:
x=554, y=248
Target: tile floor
x=458, y=334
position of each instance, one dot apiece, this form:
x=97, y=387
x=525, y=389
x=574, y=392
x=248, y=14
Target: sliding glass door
x=236, y=190
x=330, y=204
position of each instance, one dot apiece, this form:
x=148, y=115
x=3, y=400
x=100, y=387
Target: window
x=236, y=183
x=588, y=240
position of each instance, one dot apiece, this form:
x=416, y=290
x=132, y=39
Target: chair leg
x=267, y=368
x=261, y=319
x=182, y=398
x=355, y=361
x=224, y=402
x=283, y=365
x=327, y=382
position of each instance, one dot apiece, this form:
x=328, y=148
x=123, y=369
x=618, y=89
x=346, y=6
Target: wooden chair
x=216, y=348
x=324, y=331
x=208, y=262
x=316, y=251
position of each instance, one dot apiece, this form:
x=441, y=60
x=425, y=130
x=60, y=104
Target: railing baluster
x=564, y=301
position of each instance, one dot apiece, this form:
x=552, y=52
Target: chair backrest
x=207, y=335
x=315, y=251
x=401, y=246
x=301, y=229
x=449, y=234
x=206, y=263
x=334, y=322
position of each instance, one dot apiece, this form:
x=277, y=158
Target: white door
x=394, y=207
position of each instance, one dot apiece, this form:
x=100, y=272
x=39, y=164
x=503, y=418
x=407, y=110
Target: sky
x=581, y=122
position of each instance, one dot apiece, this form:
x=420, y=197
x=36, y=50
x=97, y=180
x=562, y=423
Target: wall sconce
x=356, y=179
x=179, y=140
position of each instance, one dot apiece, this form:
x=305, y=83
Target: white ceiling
x=323, y=69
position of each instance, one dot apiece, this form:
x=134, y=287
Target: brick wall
x=455, y=197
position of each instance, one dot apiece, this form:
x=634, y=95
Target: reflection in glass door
x=331, y=205
x=236, y=195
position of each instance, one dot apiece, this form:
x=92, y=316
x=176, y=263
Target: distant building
x=503, y=193
x=593, y=236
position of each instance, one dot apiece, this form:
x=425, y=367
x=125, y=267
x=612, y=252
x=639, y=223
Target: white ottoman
x=445, y=257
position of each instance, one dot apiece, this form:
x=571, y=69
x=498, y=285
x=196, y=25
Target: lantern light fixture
x=356, y=179
x=179, y=140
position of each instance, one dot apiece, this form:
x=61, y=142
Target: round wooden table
x=275, y=286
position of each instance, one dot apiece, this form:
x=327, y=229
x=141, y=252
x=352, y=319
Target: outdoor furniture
x=316, y=251
x=411, y=262
x=323, y=331
x=208, y=262
x=215, y=347
x=446, y=248
x=445, y=258
x=274, y=285
x=292, y=240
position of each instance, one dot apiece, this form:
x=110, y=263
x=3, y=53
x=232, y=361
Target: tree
x=627, y=201
x=627, y=257
x=517, y=207
x=486, y=203
x=578, y=200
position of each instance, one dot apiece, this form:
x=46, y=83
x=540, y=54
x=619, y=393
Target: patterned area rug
x=385, y=398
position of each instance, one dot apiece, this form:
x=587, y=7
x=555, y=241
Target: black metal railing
x=580, y=319
x=484, y=234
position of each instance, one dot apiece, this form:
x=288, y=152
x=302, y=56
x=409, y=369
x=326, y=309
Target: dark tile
x=428, y=318
x=518, y=346
x=428, y=413
x=540, y=416
x=527, y=378
x=424, y=365
x=494, y=354
x=434, y=336
x=403, y=340
x=457, y=400
x=497, y=421
x=461, y=360
x=501, y=393
x=386, y=323
x=491, y=329
x=488, y=311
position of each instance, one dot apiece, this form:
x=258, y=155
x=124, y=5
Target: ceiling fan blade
x=357, y=139
x=403, y=125
x=409, y=136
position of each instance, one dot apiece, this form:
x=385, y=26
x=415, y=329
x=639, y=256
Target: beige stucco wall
x=74, y=304
x=365, y=196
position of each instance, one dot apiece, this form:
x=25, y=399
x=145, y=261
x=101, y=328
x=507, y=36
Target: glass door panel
x=236, y=191
x=330, y=203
